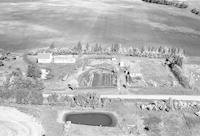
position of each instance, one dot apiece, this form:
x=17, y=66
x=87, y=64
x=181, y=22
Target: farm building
x=64, y=59
x=44, y=57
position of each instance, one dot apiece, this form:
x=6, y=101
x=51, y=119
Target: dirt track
x=155, y=97
x=16, y=123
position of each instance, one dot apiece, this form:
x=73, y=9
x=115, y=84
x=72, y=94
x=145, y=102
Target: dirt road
x=136, y=96
x=154, y=97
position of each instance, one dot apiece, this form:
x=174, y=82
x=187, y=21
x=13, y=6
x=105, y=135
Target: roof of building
x=63, y=56
x=44, y=55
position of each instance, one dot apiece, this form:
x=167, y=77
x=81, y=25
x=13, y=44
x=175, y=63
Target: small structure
x=44, y=57
x=44, y=73
x=64, y=59
x=121, y=64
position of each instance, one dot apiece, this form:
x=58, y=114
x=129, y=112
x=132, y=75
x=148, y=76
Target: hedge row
x=84, y=100
x=167, y=2
x=21, y=96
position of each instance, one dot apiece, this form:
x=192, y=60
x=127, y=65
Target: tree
x=33, y=71
x=52, y=46
x=96, y=48
x=130, y=51
x=35, y=97
x=53, y=98
x=87, y=48
x=79, y=47
x=160, y=49
x=25, y=90
x=100, y=49
x=28, y=96
x=115, y=48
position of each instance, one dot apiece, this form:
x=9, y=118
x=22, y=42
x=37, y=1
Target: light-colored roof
x=44, y=55
x=64, y=56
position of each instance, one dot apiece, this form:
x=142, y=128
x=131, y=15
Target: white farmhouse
x=64, y=59
x=44, y=57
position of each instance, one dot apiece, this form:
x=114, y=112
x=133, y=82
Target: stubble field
x=38, y=23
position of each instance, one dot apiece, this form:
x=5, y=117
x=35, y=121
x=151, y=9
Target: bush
x=33, y=71
x=35, y=97
x=175, y=60
x=26, y=96
x=87, y=100
x=195, y=11
x=52, y=99
x=6, y=94
x=24, y=90
x=25, y=83
x=22, y=96
x=179, y=74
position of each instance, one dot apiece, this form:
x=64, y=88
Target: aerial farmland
x=99, y=67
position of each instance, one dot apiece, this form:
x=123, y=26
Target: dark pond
x=91, y=118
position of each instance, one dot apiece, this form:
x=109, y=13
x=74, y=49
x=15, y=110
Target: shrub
x=21, y=96
x=87, y=100
x=33, y=71
x=35, y=97
x=26, y=83
x=24, y=90
x=53, y=98
x=182, y=78
x=175, y=60
x=195, y=11
x=26, y=96
x=6, y=94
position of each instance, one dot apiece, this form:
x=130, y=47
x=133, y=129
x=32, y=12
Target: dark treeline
x=174, y=3
x=150, y=51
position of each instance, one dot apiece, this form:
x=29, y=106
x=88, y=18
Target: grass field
x=38, y=23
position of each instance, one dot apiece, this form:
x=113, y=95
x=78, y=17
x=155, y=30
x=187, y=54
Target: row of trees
x=174, y=3
x=150, y=51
